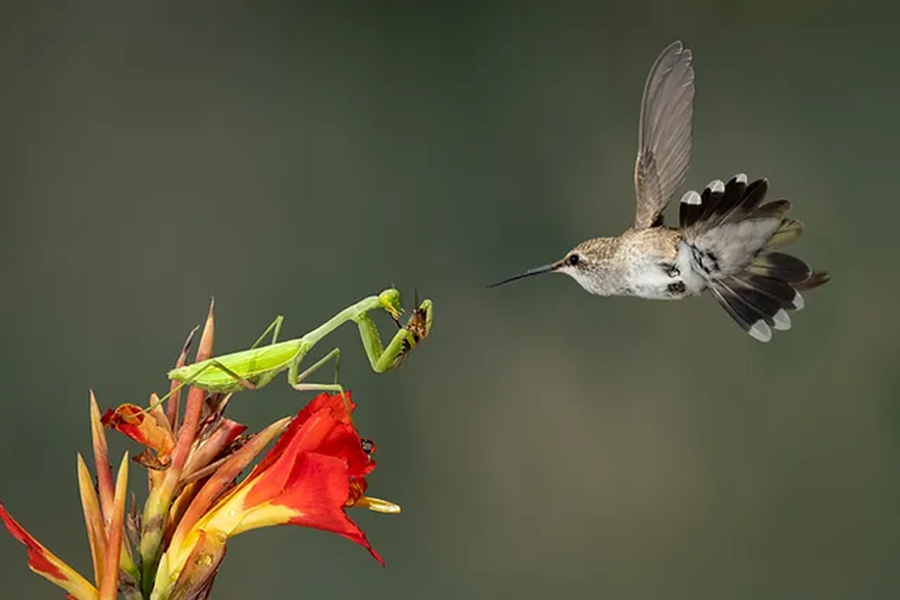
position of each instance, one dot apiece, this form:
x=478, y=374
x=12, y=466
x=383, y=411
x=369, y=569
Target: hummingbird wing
x=664, y=138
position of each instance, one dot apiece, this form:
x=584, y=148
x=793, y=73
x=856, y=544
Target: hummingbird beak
x=535, y=271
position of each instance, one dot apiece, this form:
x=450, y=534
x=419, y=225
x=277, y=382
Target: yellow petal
x=378, y=505
x=93, y=520
x=201, y=567
x=110, y=581
x=101, y=462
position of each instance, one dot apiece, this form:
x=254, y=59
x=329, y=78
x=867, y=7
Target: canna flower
x=315, y=470
x=310, y=477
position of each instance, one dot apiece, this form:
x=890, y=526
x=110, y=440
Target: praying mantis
x=260, y=365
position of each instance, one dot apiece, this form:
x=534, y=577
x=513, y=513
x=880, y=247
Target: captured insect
x=418, y=326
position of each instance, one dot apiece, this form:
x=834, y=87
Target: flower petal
x=211, y=447
x=101, y=461
x=47, y=565
x=143, y=427
x=175, y=386
x=378, y=505
x=109, y=583
x=201, y=567
x=213, y=489
x=357, y=498
x=92, y=518
x=323, y=426
x=314, y=497
x=305, y=479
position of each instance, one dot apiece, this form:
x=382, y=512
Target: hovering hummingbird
x=726, y=240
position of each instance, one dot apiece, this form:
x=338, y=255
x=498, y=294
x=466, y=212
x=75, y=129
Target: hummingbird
x=727, y=238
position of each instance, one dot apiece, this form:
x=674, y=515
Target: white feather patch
x=799, y=302
x=691, y=197
x=741, y=177
x=782, y=320
x=760, y=331
x=716, y=185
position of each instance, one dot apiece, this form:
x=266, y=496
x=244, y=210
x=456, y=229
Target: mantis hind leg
x=212, y=363
x=274, y=328
x=242, y=381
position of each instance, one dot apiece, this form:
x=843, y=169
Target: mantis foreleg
x=409, y=335
x=381, y=358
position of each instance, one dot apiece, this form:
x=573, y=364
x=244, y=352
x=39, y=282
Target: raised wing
x=664, y=139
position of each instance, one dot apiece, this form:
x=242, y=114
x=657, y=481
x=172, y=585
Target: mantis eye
x=573, y=260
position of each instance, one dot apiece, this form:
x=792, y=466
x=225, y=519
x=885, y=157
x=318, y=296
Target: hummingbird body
x=727, y=238
x=640, y=263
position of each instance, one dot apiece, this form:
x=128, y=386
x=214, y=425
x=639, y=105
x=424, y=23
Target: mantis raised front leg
x=407, y=338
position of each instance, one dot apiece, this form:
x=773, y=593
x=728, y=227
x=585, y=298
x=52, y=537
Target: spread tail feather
x=757, y=303
x=733, y=239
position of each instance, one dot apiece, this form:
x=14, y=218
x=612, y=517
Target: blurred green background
x=293, y=158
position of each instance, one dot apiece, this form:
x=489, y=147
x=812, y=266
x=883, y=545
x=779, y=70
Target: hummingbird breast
x=652, y=267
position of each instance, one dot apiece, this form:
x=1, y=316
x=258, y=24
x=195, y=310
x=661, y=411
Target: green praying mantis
x=260, y=365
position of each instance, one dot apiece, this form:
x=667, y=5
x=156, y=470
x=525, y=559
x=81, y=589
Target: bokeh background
x=293, y=158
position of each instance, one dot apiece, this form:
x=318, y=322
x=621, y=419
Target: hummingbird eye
x=573, y=260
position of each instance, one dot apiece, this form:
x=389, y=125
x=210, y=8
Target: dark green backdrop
x=543, y=443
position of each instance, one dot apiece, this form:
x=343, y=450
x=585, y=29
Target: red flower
x=315, y=470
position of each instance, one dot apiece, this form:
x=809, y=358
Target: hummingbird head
x=583, y=263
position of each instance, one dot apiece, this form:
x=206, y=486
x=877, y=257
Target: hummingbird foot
x=670, y=269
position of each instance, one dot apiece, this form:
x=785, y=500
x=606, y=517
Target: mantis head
x=390, y=300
